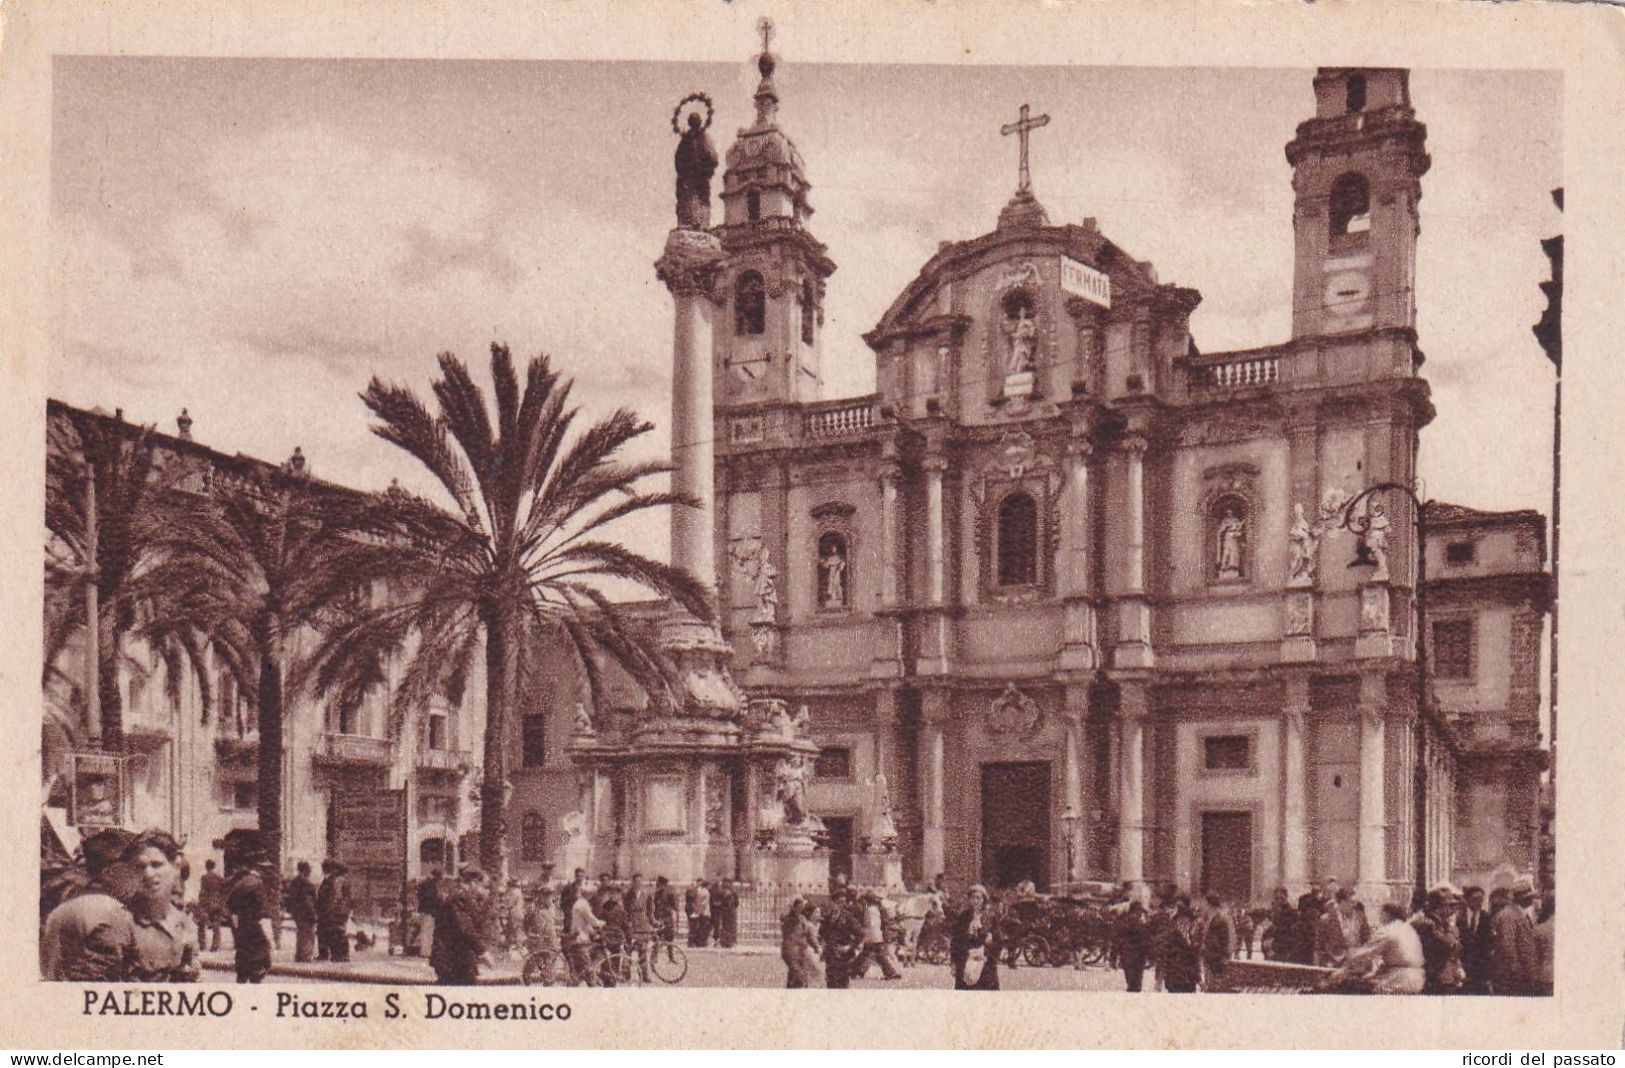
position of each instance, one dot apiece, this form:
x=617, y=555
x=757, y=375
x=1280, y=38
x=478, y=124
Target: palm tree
x=248, y=564
x=520, y=560
x=85, y=449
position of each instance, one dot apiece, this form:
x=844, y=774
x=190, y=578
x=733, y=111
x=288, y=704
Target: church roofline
x=1084, y=240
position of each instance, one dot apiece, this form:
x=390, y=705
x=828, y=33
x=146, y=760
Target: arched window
x=834, y=575
x=533, y=838
x=750, y=304
x=1018, y=540
x=809, y=310
x=1350, y=209
x=753, y=205
x=1355, y=87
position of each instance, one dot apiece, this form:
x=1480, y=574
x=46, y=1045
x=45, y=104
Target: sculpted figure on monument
x=696, y=162
x=791, y=775
x=1303, y=542
x=1230, y=536
x=583, y=720
x=833, y=565
x=767, y=593
x=1376, y=539
x=1021, y=329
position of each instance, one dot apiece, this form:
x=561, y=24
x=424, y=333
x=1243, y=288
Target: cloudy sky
x=253, y=239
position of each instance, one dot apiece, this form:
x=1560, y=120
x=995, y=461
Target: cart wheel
x=1035, y=951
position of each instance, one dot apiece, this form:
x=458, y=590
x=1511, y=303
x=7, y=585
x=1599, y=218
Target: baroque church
x=1073, y=592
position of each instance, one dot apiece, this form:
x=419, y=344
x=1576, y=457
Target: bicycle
x=668, y=961
x=545, y=967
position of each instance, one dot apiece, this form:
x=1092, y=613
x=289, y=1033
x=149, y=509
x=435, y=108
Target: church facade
x=1078, y=589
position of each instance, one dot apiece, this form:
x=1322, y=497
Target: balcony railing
x=850, y=418
x=1238, y=374
x=443, y=759
x=353, y=749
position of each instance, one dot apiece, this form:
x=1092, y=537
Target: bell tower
x=1357, y=169
x=771, y=288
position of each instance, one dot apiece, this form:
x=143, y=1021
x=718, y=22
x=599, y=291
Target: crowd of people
x=120, y=910
x=1446, y=941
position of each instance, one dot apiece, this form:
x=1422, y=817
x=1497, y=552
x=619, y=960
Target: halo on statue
x=692, y=98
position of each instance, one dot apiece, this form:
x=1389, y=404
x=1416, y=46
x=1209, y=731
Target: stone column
x=1134, y=611
x=936, y=588
x=689, y=268
x=1373, y=874
x=1075, y=580
x=890, y=524
x=933, y=851
x=1131, y=789
x=1295, y=785
x=1073, y=802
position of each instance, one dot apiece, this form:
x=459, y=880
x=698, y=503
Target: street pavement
x=745, y=966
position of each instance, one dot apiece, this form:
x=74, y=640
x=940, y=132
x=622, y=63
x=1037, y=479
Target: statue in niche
x=801, y=726
x=1021, y=334
x=1230, y=541
x=884, y=827
x=1303, y=541
x=1376, y=539
x=832, y=565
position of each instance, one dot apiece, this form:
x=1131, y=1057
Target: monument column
x=1134, y=610
x=689, y=268
x=935, y=466
x=1078, y=641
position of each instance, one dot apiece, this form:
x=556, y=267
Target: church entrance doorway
x=840, y=845
x=1227, y=856
x=1015, y=824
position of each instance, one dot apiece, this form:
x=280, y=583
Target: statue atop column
x=696, y=162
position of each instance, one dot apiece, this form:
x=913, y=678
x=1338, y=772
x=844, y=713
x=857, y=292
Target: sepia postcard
x=601, y=524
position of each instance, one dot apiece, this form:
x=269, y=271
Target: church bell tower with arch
x=769, y=337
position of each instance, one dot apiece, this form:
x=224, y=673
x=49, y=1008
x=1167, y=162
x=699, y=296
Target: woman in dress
x=793, y=944
x=166, y=942
x=974, y=944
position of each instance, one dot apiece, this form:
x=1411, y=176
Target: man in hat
x=725, y=913
x=428, y=903
x=1514, y=936
x=664, y=909
x=459, y=939
x=299, y=896
x=333, y=912
x=842, y=936
x=247, y=902
x=211, y=904
x=90, y=937
x=1477, y=941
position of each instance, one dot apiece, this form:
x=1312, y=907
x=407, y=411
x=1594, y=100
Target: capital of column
x=690, y=263
x=934, y=463
x=1134, y=444
x=1078, y=445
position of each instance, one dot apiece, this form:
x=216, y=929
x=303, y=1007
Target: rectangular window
x=1453, y=649
x=1227, y=752
x=833, y=764
x=1461, y=552
x=239, y=794
x=437, y=730
x=533, y=741
x=436, y=808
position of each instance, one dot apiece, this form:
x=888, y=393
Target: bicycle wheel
x=668, y=962
x=543, y=968
x=1034, y=951
x=615, y=970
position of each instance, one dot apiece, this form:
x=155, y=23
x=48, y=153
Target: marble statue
x=1304, y=540
x=583, y=720
x=833, y=565
x=790, y=775
x=801, y=726
x=883, y=828
x=1230, y=537
x=1023, y=331
x=1376, y=539
x=767, y=594
x=574, y=825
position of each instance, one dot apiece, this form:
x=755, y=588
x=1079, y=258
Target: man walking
x=1218, y=942
x=577, y=887
x=459, y=939
x=1514, y=935
x=875, y=944
x=1133, y=945
x=697, y=906
x=299, y=896
x=428, y=905
x=638, y=908
x=664, y=909
x=246, y=900
x=211, y=905
x=333, y=912
x=1477, y=942
x=725, y=913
